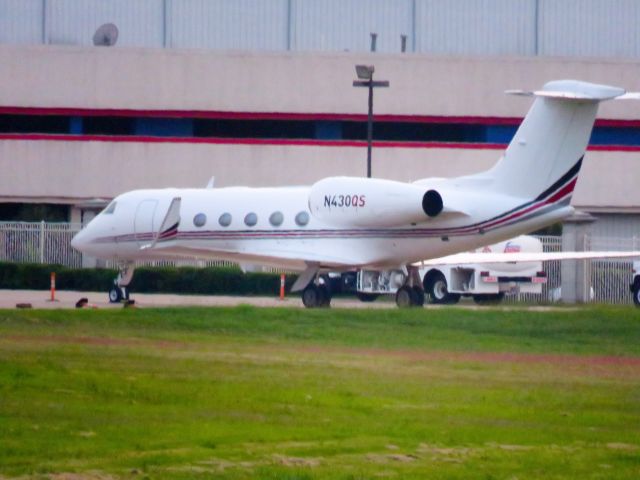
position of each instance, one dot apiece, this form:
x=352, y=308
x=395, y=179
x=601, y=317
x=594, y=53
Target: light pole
x=365, y=75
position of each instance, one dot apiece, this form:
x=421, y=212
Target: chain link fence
x=39, y=242
x=610, y=279
x=550, y=290
x=49, y=243
x=178, y=263
x=607, y=279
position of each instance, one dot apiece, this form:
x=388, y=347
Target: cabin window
x=110, y=208
x=225, y=220
x=199, y=220
x=276, y=219
x=250, y=219
x=302, y=218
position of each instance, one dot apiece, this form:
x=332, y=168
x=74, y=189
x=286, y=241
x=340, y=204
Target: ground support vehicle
x=635, y=285
x=446, y=284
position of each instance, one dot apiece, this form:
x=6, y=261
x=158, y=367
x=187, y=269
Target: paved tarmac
x=68, y=299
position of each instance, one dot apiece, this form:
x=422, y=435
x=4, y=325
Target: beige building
x=99, y=121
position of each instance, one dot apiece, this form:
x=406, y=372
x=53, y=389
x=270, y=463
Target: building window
x=34, y=124
x=302, y=219
x=276, y=219
x=108, y=125
x=225, y=220
x=145, y=124
x=250, y=219
x=199, y=220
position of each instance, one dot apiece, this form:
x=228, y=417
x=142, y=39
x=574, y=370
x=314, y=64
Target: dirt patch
x=553, y=358
x=296, y=461
x=623, y=446
x=80, y=476
x=515, y=448
x=393, y=457
x=99, y=341
x=68, y=299
x=487, y=357
x=425, y=448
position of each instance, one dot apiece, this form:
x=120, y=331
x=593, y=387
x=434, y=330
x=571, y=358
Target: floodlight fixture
x=365, y=72
x=365, y=75
x=106, y=35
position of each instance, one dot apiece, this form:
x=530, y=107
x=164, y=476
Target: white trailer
x=485, y=282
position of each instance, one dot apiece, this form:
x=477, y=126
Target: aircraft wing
x=511, y=257
x=289, y=258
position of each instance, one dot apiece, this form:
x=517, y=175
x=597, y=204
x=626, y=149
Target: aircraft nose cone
x=79, y=241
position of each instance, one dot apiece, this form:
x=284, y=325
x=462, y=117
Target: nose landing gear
x=117, y=294
x=119, y=290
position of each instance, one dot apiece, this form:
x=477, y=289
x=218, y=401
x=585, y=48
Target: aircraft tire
x=325, y=296
x=406, y=297
x=316, y=296
x=636, y=294
x=115, y=294
x=418, y=296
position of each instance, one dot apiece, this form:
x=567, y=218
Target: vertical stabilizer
x=547, y=150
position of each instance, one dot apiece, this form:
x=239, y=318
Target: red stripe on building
x=294, y=116
x=282, y=142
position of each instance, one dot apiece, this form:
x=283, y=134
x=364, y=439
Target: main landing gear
x=317, y=294
x=411, y=294
x=120, y=291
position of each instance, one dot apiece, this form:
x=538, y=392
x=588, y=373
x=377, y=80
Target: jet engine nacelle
x=367, y=202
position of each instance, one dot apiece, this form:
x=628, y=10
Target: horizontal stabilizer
x=629, y=96
x=483, y=258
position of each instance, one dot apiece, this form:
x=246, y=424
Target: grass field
x=239, y=393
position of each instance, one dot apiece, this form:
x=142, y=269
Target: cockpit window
x=110, y=208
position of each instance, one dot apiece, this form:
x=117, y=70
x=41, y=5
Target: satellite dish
x=106, y=35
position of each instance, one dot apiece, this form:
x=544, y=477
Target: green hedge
x=220, y=281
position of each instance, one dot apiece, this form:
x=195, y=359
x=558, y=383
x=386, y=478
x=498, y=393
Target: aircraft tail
x=545, y=155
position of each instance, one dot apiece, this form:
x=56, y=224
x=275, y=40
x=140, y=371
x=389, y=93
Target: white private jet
x=348, y=223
